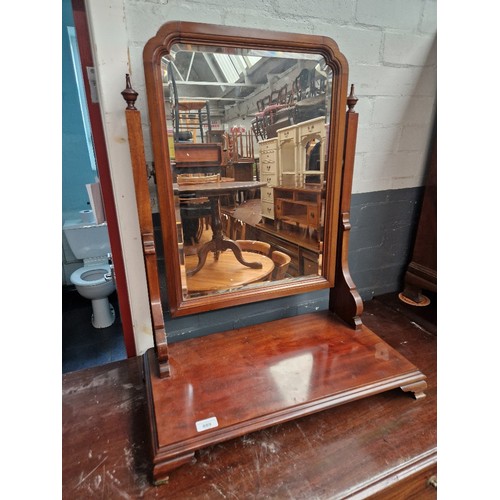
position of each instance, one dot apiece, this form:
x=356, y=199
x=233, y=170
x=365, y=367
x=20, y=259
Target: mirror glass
x=247, y=133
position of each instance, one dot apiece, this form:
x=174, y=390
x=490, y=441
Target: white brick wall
x=404, y=15
x=406, y=50
x=390, y=46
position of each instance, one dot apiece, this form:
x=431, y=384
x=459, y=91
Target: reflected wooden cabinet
x=293, y=159
x=311, y=138
x=240, y=171
x=301, y=153
x=301, y=207
x=288, y=156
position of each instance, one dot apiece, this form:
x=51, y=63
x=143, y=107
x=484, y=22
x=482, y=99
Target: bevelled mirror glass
x=247, y=162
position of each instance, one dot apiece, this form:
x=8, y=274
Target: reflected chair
x=281, y=262
x=226, y=224
x=254, y=246
x=238, y=230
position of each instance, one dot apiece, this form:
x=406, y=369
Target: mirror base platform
x=229, y=384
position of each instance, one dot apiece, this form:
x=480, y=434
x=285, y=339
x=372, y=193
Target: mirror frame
x=174, y=32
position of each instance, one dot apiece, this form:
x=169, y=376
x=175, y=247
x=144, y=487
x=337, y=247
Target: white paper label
x=208, y=423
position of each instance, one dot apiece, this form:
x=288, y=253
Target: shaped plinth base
x=228, y=384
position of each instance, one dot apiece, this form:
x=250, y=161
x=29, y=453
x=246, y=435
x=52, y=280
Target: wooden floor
x=352, y=451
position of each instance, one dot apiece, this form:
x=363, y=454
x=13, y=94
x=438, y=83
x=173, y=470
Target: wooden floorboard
x=346, y=452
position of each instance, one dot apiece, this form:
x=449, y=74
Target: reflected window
x=293, y=377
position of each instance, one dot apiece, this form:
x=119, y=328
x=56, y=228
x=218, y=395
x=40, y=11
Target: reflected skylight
x=233, y=66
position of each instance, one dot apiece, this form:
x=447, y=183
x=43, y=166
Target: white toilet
x=94, y=281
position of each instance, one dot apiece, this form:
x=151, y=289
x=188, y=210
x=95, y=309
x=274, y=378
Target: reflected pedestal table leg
x=219, y=243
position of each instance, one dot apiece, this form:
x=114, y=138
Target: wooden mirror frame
x=178, y=32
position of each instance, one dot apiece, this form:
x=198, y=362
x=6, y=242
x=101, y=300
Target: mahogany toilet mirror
x=194, y=387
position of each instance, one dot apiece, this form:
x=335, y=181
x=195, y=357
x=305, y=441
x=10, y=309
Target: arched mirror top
x=247, y=130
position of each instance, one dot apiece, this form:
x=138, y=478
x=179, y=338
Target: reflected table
x=226, y=272
x=213, y=191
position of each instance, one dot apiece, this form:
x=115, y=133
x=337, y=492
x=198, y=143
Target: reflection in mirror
x=247, y=132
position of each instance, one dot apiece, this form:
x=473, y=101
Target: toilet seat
x=90, y=275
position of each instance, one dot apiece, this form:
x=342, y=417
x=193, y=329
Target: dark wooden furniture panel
x=197, y=155
x=240, y=171
x=420, y=485
x=196, y=158
x=421, y=273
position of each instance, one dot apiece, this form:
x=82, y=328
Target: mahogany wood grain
x=384, y=444
x=345, y=300
x=414, y=484
x=262, y=375
x=138, y=159
x=226, y=272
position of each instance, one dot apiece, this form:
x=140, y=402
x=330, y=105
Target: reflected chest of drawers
x=269, y=171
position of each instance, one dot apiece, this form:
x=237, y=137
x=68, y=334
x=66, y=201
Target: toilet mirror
x=247, y=136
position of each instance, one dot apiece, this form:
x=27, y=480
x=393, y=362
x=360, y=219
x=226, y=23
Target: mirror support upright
x=136, y=144
x=345, y=300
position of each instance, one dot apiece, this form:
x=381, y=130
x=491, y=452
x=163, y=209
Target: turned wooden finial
x=129, y=94
x=351, y=100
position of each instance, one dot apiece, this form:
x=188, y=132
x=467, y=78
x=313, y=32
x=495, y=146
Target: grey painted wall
x=383, y=226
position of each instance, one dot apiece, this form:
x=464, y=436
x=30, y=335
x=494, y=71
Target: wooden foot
x=202, y=257
x=417, y=388
x=414, y=297
x=162, y=468
x=219, y=243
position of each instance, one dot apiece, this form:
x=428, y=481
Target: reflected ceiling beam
x=191, y=98
x=177, y=69
x=215, y=71
x=218, y=84
x=190, y=66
